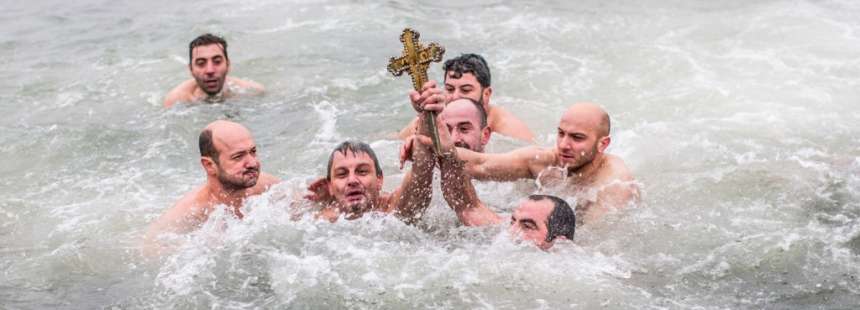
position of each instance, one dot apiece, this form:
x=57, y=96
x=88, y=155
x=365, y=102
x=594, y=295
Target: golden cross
x=415, y=60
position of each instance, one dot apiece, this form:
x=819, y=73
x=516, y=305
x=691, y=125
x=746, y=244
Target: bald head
x=220, y=132
x=467, y=108
x=589, y=115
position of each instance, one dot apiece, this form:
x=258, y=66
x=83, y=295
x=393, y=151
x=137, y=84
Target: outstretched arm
x=523, y=163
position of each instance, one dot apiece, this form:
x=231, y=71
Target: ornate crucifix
x=415, y=60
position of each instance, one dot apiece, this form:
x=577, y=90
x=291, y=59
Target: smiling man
x=209, y=65
x=228, y=154
x=466, y=121
x=468, y=76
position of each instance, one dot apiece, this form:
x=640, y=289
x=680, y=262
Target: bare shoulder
x=190, y=209
x=181, y=93
x=247, y=85
x=266, y=181
x=617, y=169
x=504, y=122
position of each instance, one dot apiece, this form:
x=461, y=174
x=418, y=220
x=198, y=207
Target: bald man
x=228, y=154
x=577, y=165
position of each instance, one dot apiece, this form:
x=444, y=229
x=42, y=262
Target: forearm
x=416, y=191
x=461, y=195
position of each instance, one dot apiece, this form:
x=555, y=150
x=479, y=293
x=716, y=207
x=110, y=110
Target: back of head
x=562, y=219
x=469, y=63
x=354, y=147
x=206, y=39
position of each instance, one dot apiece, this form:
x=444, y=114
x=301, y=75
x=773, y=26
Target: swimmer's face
x=463, y=120
x=209, y=67
x=354, y=182
x=529, y=221
x=237, y=166
x=467, y=86
x=578, y=142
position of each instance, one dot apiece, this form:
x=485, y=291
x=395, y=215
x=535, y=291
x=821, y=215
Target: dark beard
x=586, y=160
x=233, y=184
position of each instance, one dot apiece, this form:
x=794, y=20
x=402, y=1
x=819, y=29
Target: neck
x=219, y=194
x=213, y=98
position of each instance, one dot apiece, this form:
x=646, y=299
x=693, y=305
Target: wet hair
x=469, y=63
x=482, y=113
x=206, y=39
x=356, y=148
x=207, y=145
x=562, y=219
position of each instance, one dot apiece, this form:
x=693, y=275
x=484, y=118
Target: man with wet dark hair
x=228, y=154
x=468, y=76
x=353, y=185
x=209, y=65
x=562, y=219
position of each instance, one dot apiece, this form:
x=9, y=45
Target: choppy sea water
x=739, y=118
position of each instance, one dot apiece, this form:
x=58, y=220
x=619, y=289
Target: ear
x=603, y=143
x=379, y=182
x=488, y=91
x=209, y=165
x=485, y=135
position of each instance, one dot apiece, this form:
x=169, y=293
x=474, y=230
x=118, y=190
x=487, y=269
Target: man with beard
x=228, y=154
x=577, y=165
x=468, y=76
x=209, y=65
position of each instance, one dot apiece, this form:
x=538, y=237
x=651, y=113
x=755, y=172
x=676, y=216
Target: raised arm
x=412, y=198
x=456, y=184
x=461, y=195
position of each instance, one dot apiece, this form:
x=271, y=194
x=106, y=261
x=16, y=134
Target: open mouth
x=355, y=195
x=567, y=157
x=211, y=83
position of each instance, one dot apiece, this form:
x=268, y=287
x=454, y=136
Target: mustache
x=463, y=145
